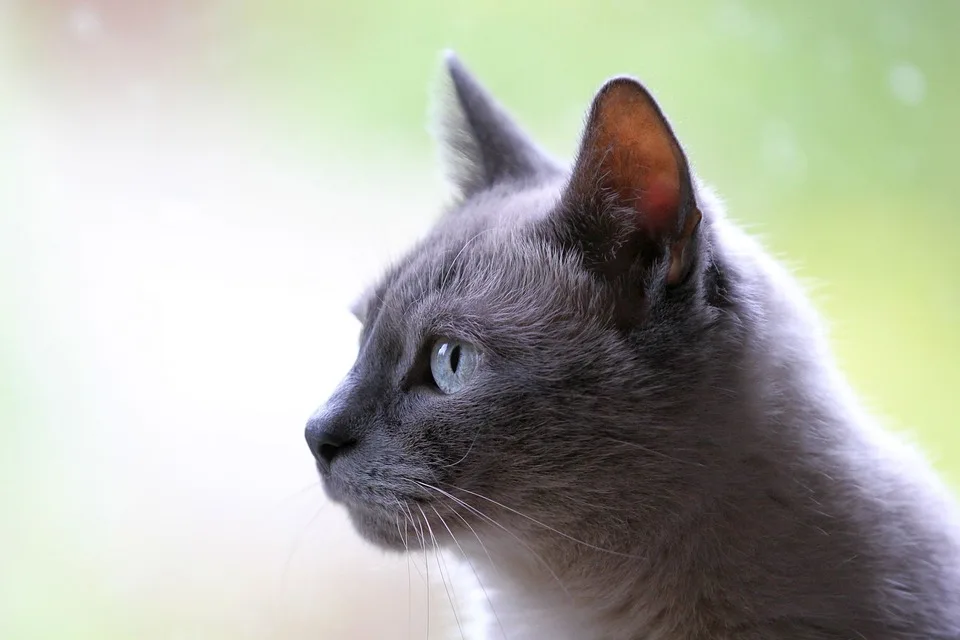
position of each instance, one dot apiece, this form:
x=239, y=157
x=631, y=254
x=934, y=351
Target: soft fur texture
x=657, y=444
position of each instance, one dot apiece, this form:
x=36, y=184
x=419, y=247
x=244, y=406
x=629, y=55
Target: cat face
x=532, y=358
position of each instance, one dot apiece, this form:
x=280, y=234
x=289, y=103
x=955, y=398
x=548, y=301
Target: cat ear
x=630, y=198
x=481, y=145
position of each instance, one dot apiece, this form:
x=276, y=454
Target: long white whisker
x=426, y=568
x=536, y=555
x=298, y=541
x=469, y=449
x=313, y=486
x=414, y=522
x=409, y=519
x=480, y=542
x=440, y=567
x=472, y=568
x=654, y=452
x=545, y=526
x=406, y=552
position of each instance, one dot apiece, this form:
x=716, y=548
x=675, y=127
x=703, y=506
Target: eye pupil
x=455, y=358
x=452, y=364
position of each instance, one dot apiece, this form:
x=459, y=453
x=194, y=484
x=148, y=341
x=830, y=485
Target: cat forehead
x=507, y=206
x=493, y=221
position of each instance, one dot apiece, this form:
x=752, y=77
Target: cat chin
x=382, y=530
x=393, y=530
x=377, y=525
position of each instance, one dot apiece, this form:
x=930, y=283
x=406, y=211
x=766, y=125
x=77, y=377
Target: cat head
x=543, y=353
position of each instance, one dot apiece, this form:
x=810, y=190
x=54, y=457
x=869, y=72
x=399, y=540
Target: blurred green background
x=829, y=128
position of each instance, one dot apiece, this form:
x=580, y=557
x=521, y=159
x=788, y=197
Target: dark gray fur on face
x=657, y=443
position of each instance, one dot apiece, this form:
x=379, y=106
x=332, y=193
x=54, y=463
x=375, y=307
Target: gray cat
x=623, y=412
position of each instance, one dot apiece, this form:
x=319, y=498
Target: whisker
x=440, y=567
x=480, y=542
x=396, y=520
x=467, y=524
x=300, y=492
x=406, y=552
x=470, y=564
x=426, y=579
x=469, y=449
x=426, y=569
x=409, y=520
x=654, y=452
x=545, y=564
x=297, y=542
x=486, y=552
x=545, y=526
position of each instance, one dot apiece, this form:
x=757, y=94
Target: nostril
x=328, y=452
x=328, y=437
x=328, y=447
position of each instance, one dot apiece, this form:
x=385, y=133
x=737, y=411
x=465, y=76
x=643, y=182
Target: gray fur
x=688, y=461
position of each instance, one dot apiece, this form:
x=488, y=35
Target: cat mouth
x=398, y=529
x=393, y=521
x=332, y=489
x=408, y=525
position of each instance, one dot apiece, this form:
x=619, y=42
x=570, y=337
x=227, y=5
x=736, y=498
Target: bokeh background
x=192, y=192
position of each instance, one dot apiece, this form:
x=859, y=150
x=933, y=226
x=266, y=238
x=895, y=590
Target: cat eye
x=452, y=364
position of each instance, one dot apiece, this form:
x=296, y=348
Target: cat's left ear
x=630, y=202
x=481, y=144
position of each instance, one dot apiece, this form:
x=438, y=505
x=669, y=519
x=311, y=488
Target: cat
x=621, y=411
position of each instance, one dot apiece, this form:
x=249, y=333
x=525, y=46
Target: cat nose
x=327, y=438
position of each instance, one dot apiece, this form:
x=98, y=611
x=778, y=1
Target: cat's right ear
x=480, y=144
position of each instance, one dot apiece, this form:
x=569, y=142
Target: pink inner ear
x=628, y=145
x=659, y=202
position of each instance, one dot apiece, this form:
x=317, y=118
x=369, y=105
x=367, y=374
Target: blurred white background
x=192, y=192
x=180, y=288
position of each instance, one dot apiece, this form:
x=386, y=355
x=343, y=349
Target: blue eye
x=452, y=364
